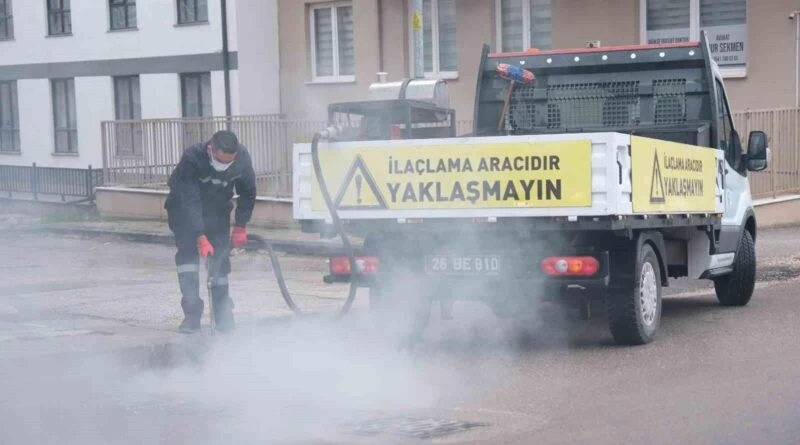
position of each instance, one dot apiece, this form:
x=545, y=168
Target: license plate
x=462, y=265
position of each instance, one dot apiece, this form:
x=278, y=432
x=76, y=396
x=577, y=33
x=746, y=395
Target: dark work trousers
x=187, y=260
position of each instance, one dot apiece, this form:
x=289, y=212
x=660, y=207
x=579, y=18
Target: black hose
x=276, y=267
x=332, y=209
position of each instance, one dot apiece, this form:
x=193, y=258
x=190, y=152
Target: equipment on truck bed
x=613, y=170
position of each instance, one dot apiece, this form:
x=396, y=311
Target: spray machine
x=590, y=178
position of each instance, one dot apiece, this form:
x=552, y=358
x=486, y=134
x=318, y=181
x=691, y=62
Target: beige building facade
x=332, y=50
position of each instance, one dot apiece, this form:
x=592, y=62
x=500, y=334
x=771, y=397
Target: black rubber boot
x=223, y=308
x=190, y=301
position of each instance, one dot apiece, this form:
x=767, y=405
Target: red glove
x=204, y=246
x=239, y=237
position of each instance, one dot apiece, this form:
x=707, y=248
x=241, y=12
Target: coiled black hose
x=337, y=224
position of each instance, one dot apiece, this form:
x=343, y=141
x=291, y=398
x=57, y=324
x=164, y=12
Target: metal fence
x=143, y=153
x=782, y=176
x=72, y=185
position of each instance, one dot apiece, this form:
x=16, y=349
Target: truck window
x=724, y=125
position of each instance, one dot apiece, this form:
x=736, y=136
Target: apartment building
x=66, y=66
x=332, y=50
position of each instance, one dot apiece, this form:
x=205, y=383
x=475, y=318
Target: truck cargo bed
x=535, y=176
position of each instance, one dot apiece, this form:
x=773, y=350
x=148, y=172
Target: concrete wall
x=149, y=205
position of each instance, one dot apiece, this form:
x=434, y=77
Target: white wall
x=218, y=93
x=35, y=123
x=157, y=33
x=94, y=103
x=259, y=61
x=160, y=95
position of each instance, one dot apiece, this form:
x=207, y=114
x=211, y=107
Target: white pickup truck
x=614, y=170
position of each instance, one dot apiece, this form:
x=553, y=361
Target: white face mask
x=220, y=166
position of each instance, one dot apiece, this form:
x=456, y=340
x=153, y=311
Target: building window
x=59, y=17
x=127, y=98
x=9, y=118
x=724, y=21
x=65, y=123
x=6, y=20
x=332, y=47
x=196, y=95
x=524, y=24
x=123, y=14
x=439, y=44
x=192, y=11
x=127, y=106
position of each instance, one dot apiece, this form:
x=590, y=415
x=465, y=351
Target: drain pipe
x=226, y=63
x=796, y=58
x=416, y=29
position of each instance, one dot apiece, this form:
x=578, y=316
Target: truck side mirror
x=757, y=151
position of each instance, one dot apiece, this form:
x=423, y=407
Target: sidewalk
x=157, y=232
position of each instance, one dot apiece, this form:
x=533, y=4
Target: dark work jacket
x=200, y=195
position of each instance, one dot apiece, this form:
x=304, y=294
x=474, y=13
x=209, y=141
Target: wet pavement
x=79, y=318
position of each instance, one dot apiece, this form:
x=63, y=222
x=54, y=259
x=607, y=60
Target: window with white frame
x=196, y=94
x=332, y=45
x=192, y=11
x=524, y=24
x=439, y=39
x=127, y=98
x=65, y=122
x=724, y=22
x=122, y=14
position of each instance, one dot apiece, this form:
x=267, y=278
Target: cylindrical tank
x=385, y=90
x=433, y=91
x=428, y=90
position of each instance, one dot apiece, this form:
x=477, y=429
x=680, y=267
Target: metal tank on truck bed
x=590, y=179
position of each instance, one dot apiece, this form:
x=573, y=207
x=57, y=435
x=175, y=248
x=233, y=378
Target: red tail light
x=340, y=265
x=396, y=132
x=570, y=266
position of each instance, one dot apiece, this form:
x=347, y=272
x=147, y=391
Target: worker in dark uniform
x=199, y=207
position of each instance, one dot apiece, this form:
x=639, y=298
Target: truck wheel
x=634, y=314
x=736, y=288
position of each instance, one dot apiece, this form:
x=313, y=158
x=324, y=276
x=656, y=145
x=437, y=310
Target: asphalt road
x=714, y=375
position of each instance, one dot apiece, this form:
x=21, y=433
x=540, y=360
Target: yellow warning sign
x=499, y=175
x=670, y=177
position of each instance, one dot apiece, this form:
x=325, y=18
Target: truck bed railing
x=596, y=89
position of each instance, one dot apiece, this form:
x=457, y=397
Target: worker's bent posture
x=199, y=209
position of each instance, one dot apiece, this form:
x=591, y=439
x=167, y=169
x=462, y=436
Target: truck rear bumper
x=513, y=276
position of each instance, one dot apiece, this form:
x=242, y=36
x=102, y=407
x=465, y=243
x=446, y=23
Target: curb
x=307, y=248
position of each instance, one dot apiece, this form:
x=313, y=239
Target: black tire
x=736, y=288
x=625, y=315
